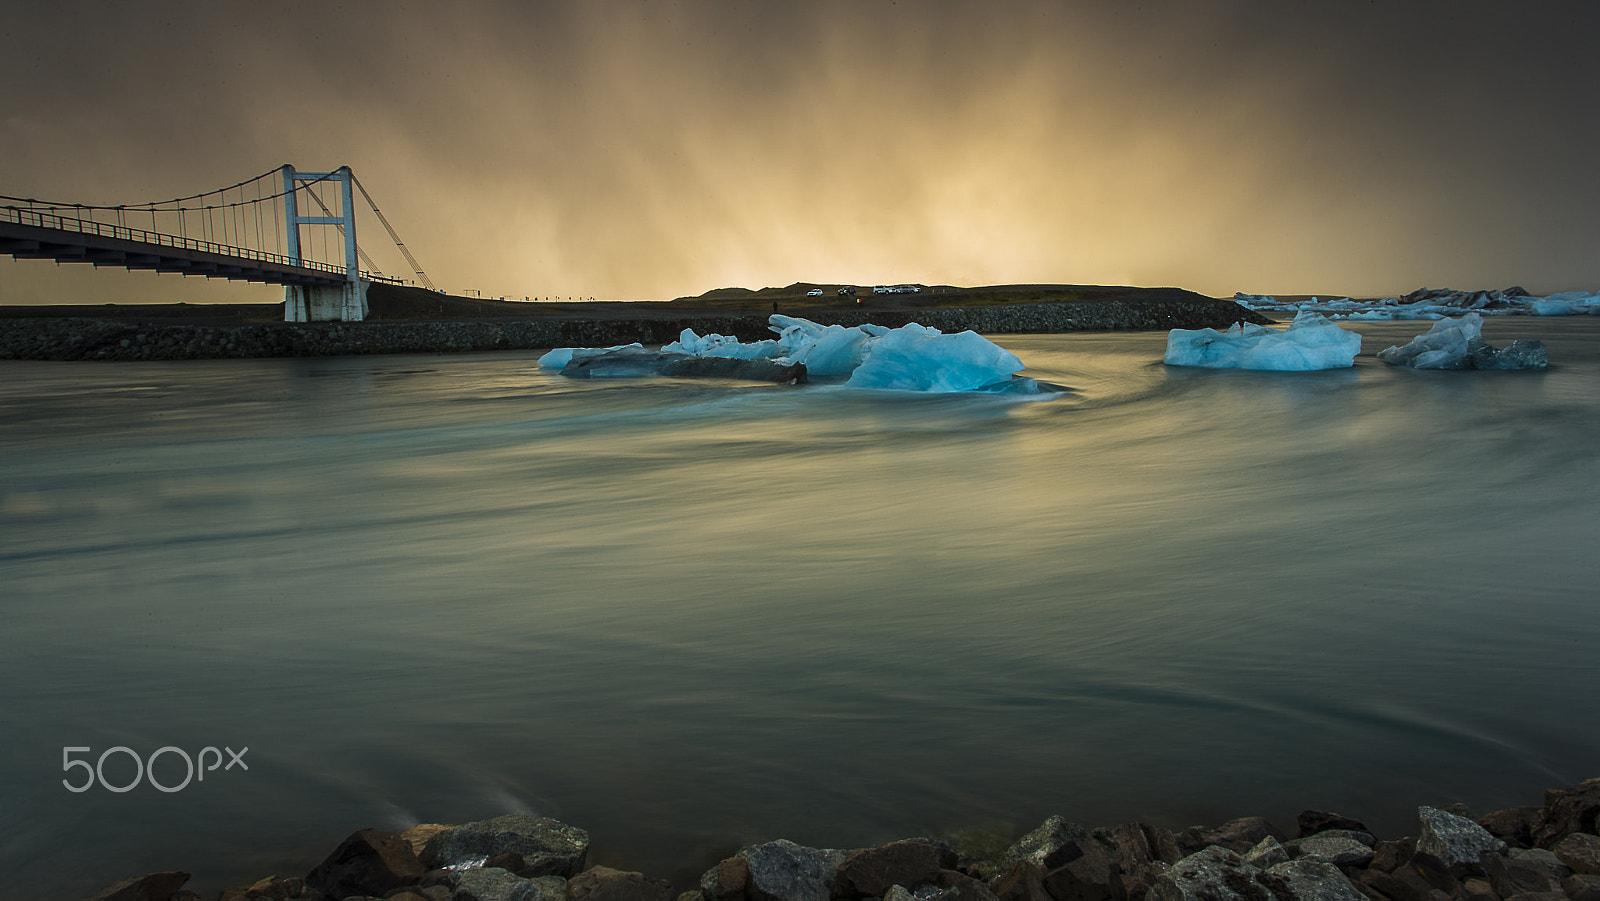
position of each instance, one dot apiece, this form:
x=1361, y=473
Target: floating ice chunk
x=1459, y=344
x=913, y=358
x=825, y=349
x=561, y=356
x=1310, y=342
x=1442, y=347
x=1566, y=303
x=628, y=360
x=837, y=352
x=721, y=346
x=1547, y=307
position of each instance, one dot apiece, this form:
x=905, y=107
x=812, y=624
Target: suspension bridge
x=250, y=231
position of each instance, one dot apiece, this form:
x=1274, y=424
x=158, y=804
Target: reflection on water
x=687, y=615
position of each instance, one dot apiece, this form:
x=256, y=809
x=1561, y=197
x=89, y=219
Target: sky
x=651, y=149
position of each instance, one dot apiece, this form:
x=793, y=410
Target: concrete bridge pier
x=333, y=303
x=342, y=303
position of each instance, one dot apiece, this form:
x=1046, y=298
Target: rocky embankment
x=117, y=339
x=1545, y=853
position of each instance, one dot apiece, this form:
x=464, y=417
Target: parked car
x=814, y=292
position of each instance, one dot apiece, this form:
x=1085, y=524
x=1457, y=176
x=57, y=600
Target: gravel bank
x=116, y=339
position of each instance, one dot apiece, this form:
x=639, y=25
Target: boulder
x=1142, y=843
x=161, y=886
x=417, y=836
x=1340, y=847
x=1546, y=859
x=549, y=847
x=368, y=862
x=729, y=880
x=784, y=871
x=1433, y=871
x=510, y=861
x=1398, y=886
x=1140, y=852
x=1388, y=856
x=606, y=884
x=1240, y=835
x=1581, y=852
x=1316, y=880
x=276, y=888
x=950, y=885
x=1510, y=876
x=1312, y=822
x=495, y=884
x=1135, y=886
x=1455, y=840
x=1023, y=882
x=1582, y=888
x=1568, y=810
x=1216, y=874
x=1267, y=853
x=1514, y=825
x=1044, y=844
x=870, y=872
x=1071, y=884
x=1077, y=865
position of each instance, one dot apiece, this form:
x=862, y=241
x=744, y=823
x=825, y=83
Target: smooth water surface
x=689, y=615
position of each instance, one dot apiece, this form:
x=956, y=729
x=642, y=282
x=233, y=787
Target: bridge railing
x=41, y=219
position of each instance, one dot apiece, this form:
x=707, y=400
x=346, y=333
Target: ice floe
x=909, y=358
x=913, y=358
x=1459, y=344
x=561, y=356
x=1310, y=342
x=721, y=346
x=1433, y=303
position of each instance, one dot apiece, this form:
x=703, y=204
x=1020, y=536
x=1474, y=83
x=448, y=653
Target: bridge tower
x=347, y=302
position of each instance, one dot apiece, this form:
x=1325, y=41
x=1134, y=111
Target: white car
x=814, y=292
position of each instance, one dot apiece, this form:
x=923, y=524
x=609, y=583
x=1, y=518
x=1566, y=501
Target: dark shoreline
x=1549, y=852
x=131, y=334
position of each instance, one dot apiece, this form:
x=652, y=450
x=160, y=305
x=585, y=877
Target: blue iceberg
x=1310, y=342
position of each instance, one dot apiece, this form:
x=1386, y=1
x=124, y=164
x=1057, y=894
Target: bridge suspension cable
x=147, y=205
x=415, y=267
x=221, y=220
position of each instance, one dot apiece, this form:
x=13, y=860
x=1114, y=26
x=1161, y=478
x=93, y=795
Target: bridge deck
x=31, y=236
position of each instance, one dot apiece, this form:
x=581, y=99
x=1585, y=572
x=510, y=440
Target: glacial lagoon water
x=690, y=615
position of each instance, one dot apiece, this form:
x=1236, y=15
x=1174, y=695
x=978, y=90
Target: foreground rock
x=369, y=862
x=1546, y=853
x=546, y=846
x=150, y=887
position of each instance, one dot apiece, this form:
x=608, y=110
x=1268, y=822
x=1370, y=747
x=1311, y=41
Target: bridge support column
x=340, y=303
x=344, y=303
